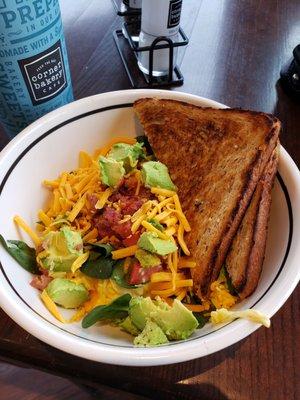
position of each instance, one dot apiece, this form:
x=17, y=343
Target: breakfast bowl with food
x=146, y=227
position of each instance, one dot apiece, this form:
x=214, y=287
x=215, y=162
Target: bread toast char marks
x=251, y=237
x=215, y=158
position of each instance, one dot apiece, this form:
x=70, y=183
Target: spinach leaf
x=115, y=310
x=119, y=274
x=93, y=255
x=22, y=253
x=99, y=264
x=202, y=320
x=101, y=248
x=100, y=268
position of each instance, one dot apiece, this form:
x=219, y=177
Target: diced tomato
x=132, y=239
x=139, y=275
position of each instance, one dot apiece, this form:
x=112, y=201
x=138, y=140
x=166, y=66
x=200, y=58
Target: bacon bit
x=130, y=204
x=108, y=224
x=92, y=199
x=128, y=186
x=145, y=194
x=40, y=282
x=111, y=215
x=122, y=230
x=103, y=222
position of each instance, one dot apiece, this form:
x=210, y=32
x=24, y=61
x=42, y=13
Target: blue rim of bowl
x=109, y=108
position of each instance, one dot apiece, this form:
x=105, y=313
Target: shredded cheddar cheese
x=198, y=307
x=138, y=187
x=181, y=240
x=163, y=192
x=49, y=303
x=75, y=198
x=149, y=227
x=22, y=224
x=123, y=253
x=186, y=263
x=79, y=261
x=76, y=209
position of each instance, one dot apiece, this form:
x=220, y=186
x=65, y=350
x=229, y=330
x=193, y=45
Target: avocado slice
x=149, y=241
x=67, y=293
x=63, y=247
x=112, y=171
x=156, y=174
x=177, y=322
x=128, y=154
x=152, y=335
x=147, y=259
x=128, y=326
x=140, y=308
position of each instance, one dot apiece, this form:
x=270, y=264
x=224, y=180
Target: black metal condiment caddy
x=129, y=50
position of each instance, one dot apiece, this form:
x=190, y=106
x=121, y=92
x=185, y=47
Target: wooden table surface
x=236, y=50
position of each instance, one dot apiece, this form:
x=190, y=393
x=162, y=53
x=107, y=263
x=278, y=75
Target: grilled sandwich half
x=246, y=253
x=216, y=158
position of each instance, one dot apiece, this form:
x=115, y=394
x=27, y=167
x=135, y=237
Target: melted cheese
x=222, y=316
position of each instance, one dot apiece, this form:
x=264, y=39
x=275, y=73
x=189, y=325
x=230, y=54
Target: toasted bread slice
x=246, y=254
x=215, y=157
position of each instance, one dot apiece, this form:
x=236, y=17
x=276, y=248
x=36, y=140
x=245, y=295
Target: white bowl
x=50, y=146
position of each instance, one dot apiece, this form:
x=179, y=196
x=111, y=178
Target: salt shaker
x=159, y=18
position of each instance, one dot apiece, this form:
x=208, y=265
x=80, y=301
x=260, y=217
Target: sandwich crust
x=246, y=255
x=215, y=158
